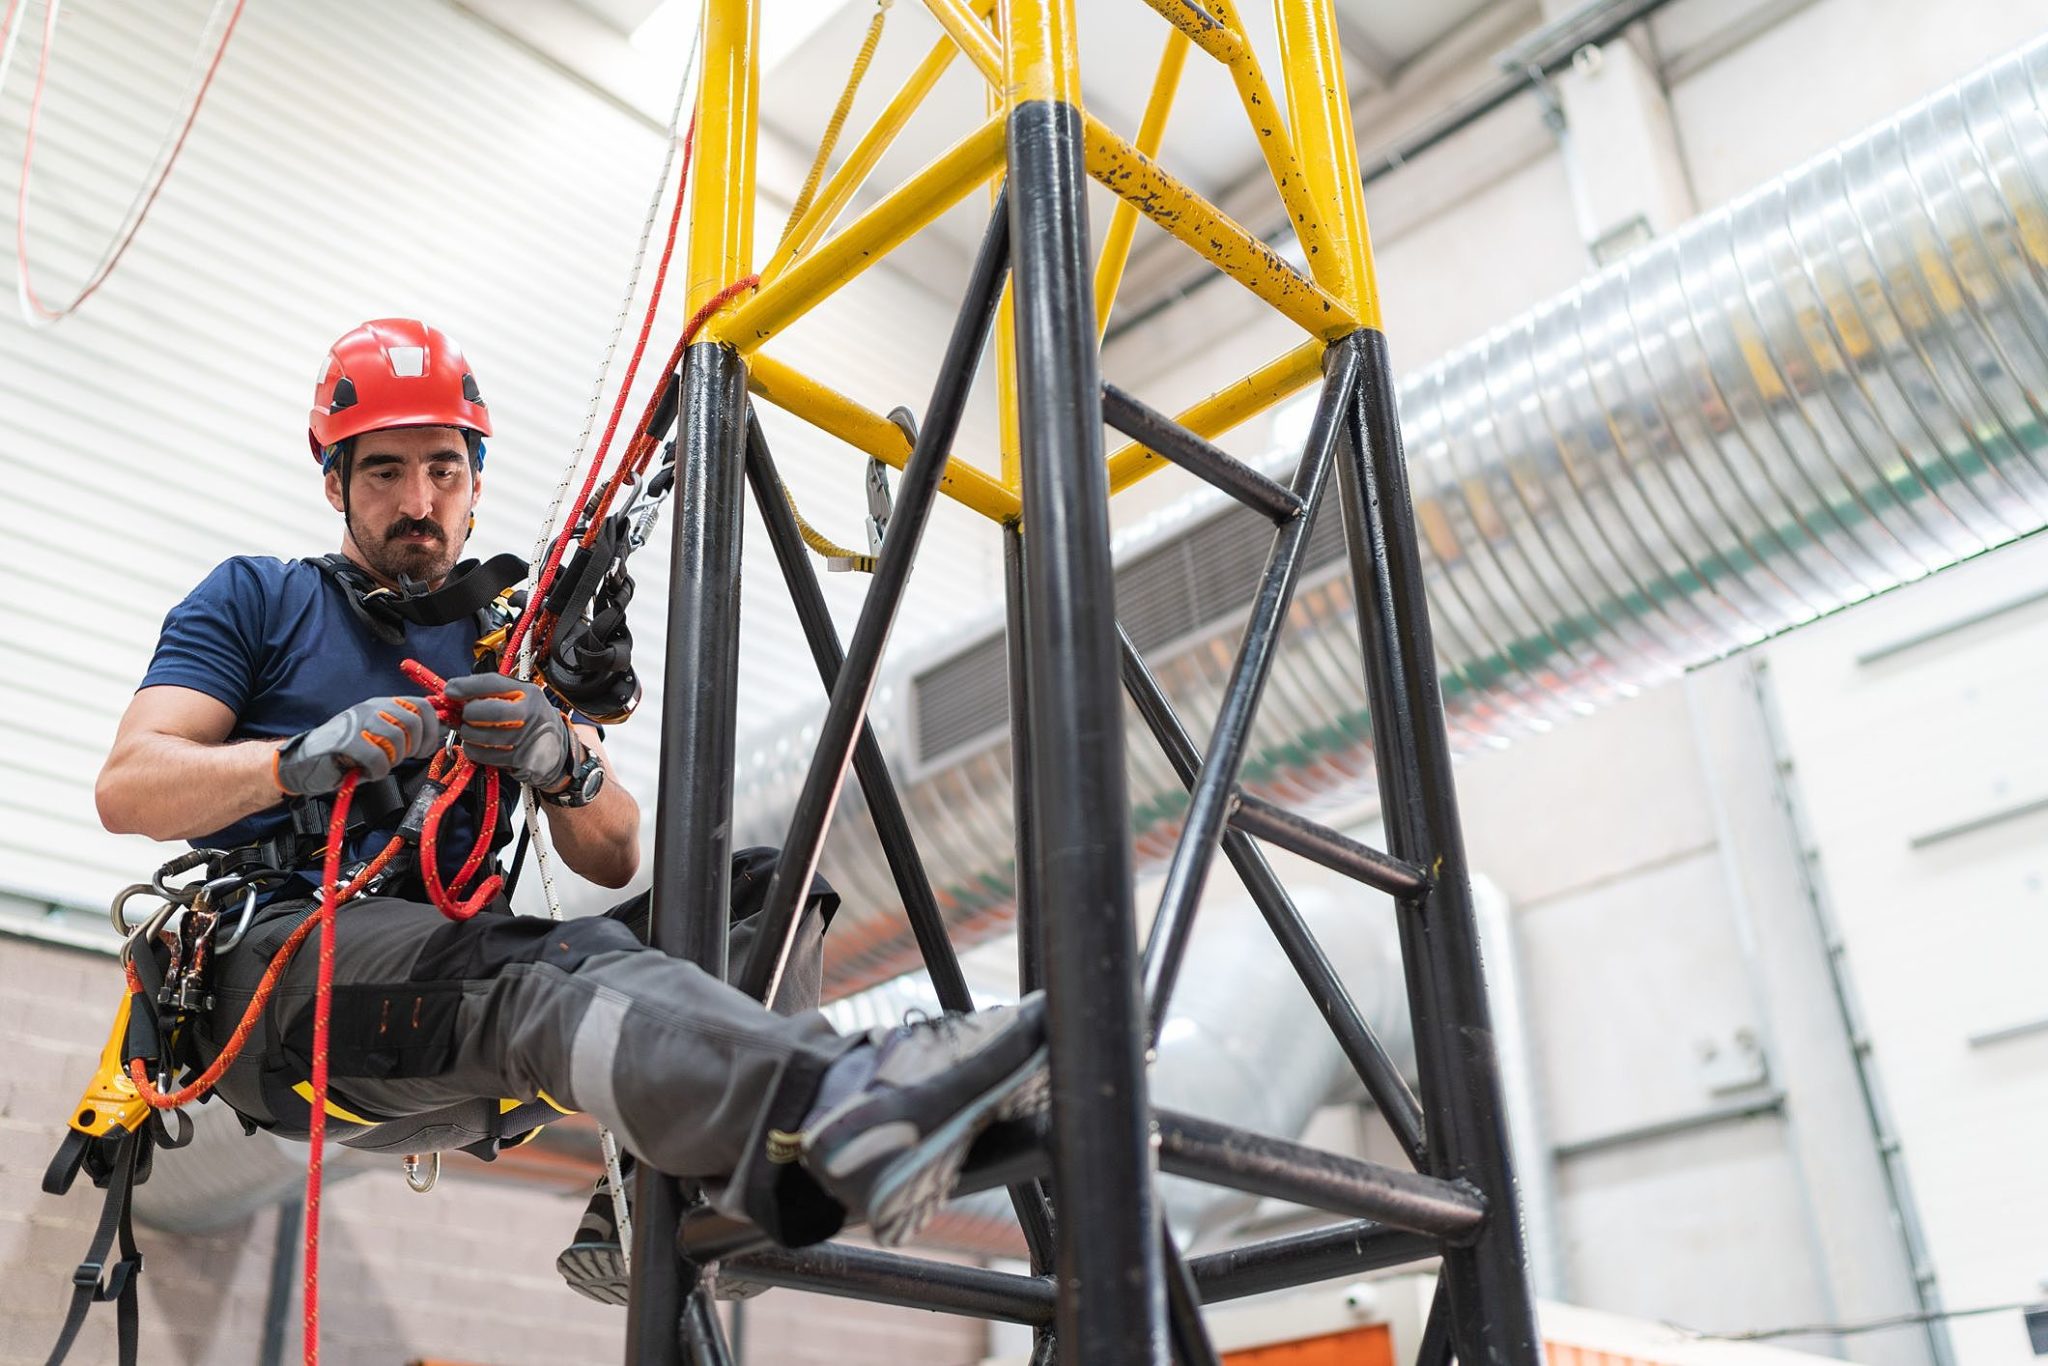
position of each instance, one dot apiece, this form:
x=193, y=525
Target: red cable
x=641, y=452
x=555, y=552
x=28, y=156
x=445, y=897
x=323, y=1004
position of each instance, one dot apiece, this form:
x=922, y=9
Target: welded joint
x=1485, y=1213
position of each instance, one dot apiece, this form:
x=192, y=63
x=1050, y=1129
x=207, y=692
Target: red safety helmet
x=393, y=372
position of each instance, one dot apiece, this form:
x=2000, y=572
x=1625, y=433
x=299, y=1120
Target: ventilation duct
x=1830, y=387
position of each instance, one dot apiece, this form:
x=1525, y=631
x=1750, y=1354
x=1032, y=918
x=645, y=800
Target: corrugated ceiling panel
x=376, y=158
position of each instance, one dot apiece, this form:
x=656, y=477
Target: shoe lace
x=946, y=1024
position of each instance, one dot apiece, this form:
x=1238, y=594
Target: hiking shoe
x=594, y=1264
x=893, y=1122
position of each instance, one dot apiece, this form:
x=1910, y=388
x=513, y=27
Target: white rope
x=550, y=525
x=608, y=1144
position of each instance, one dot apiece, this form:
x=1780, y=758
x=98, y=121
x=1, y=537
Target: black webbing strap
x=385, y=611
x=94, y=1282
x=466, y=593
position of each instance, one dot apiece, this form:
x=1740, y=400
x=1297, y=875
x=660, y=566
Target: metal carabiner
x=148, y=929
x=412, y=1171
x=118, y=911
x=241, y=921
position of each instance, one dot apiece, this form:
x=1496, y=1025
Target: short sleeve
x=212, y=642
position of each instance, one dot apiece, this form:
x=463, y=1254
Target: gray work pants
x=438, y=1024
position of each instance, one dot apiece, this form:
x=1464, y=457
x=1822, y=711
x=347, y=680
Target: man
x=273, y=680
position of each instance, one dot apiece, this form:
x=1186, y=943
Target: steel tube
x=1212, y=234
x=846, y=716
x=722, y=191
x=892, y=826
x=859, y=1273
x=1197, y=456
x=703, y=1336
x=1492, y=1311
x=1123, y=220
x=1277, y=379
x=1030, y=913
x=1209, y=799
x=1332, y=848
x=891, y=222
x=840, y=186
x=1304, y=1258
x=1113, y=1304
x=1191, y=1345
x=1382, y=1080
x=1223, y=1155
x=1034, y=1211
x=1276, y=144
x=693, y=810
x=869, y=432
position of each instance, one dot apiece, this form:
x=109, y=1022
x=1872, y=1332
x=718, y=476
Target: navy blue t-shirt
x=278, y=644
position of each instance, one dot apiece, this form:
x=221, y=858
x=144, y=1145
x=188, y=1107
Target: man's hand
x=512, y=726
x=370, y=738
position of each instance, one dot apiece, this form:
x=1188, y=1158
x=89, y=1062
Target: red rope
x=444, y=896
x=555, y=552
x=332, y=894
x=28, y=156
x=323, y=1005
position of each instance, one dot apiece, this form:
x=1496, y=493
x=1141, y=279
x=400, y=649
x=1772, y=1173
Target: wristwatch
x=586, y=780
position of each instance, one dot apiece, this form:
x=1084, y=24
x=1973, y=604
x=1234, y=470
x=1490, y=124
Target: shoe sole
x=915, y=1185
x=596, y=1271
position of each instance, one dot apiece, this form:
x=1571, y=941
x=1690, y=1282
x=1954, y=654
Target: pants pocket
x=390, y=1031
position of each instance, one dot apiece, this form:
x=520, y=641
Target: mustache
x=410, y=526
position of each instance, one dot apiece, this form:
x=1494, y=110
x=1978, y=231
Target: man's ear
x=333, y=482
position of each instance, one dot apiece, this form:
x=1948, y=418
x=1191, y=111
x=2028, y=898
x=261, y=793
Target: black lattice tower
x=1107, y=1284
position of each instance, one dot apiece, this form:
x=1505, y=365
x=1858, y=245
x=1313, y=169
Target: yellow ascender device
x=109, y=1107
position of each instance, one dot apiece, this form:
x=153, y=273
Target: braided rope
x=837, y=123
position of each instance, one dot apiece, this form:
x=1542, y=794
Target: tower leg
x=1112, y=1301
x=693, y=813
x=1492, y=1315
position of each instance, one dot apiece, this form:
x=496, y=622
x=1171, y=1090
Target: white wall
x=384, y=158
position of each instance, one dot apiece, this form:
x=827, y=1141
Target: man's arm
x=600, y=841
x=170, y=774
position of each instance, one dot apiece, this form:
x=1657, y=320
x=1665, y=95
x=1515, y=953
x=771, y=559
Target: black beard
x=427, y=563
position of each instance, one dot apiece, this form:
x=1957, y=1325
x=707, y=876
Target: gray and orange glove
x=513, y=727
x=370, y=738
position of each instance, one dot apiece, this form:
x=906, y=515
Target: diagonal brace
x=1369, y=1060
x=885, y=806
x=1209, y=801
x=855, y=687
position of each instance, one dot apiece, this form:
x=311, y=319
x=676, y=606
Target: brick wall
x=464, y=1274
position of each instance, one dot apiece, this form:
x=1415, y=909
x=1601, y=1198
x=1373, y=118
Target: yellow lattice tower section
x=1311, y=157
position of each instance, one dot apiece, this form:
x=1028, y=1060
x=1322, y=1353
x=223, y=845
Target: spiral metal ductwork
x=1830, y=387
